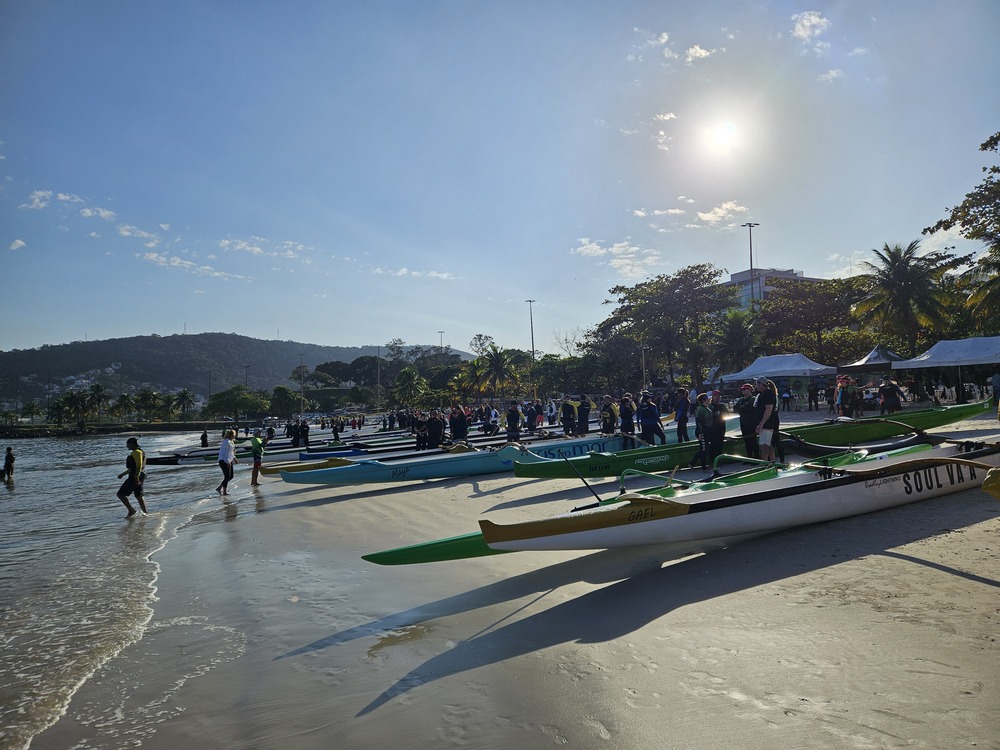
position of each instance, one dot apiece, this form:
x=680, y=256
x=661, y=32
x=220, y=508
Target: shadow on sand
x=642, y=590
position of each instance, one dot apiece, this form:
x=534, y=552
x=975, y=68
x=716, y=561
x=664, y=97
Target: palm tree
x=147, y=402
x=97, y=399
x=738, y=340
x=31, y=410
x=985, y=277
x=184, y=400
x=501, y=368
x=124, y=405
x=76, y=404
x=903, y=293
x=409, y=386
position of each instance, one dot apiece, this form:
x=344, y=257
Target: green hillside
x=199, y=362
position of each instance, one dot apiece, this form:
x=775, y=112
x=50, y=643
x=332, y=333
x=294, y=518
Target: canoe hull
x=768, y=506
x=444, y=466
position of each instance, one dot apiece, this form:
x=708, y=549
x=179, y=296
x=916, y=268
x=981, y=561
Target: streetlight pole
x=246, y=376
x=531, y=321
x=440, y=342
x=302, y=382
x=750, y=225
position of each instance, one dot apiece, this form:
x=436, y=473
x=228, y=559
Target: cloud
x=251, y=246
x=165, y=227
x=722, y=212
x=101, y=213
x=408, y=272
x=669, y=212
x=830, y=75
x=38, y=200
x=858, y=51
x=68, y=198
x=18, y=244
x=664, y=116
x=179, y=264
x=696, y=53
x=127, y=230
x=627, y=260
x=809, y=24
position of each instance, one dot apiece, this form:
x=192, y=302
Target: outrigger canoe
x=813, y=439
x=447, y=465
x=684, y=522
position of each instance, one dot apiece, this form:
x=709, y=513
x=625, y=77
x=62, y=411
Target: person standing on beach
x=8, y=465
x=135, y=465
x=748, y=420
x=227, y=457
x=257, y=450
x=766, y=409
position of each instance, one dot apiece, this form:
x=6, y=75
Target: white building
x=761, y=277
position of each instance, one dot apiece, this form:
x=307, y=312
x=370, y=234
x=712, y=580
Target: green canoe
x=830, y=436
x=473, y=544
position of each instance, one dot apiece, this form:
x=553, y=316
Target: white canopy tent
x=780, y=366
x=974, y=351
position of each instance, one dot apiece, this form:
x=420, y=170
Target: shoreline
x=269, y=631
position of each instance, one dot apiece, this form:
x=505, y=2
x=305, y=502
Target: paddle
x=577, y=472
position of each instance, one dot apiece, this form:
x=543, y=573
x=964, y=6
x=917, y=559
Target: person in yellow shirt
x=609, y=416
x=135, y=465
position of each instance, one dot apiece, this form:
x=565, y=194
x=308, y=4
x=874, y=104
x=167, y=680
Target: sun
x=723, y=138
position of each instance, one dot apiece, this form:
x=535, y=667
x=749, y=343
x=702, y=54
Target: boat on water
x=813, y=439
x=447, y=465
x=682, y=521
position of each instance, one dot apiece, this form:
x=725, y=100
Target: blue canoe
x=443, y=466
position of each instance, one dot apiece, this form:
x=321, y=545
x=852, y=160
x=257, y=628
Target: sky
x=349, y=173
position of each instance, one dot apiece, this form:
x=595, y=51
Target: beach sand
x=878, y=631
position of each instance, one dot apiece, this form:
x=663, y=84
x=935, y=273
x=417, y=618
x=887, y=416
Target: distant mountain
x=199, y=362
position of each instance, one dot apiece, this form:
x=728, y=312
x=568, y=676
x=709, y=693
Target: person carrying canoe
x=135, y=464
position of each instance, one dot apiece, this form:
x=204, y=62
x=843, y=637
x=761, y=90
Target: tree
x=365, y=371
x=339, y=371
x=124, y=405
x=147, y=402
x=184, y=400
x=77, y=405
x=31, y=410
x=903, y=293
x=285, y=401
x=978, y=216
x=810, y=306
x=738, y=341
x=97, y=399
x=480, y=344
x=501, y=369
x=408, y=386
x=671, y=313
x=236, y=401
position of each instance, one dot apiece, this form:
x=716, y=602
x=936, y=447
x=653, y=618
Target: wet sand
x=878, y=631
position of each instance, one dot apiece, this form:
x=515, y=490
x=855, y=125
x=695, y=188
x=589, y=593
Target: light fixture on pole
x=750, y=225
x=441, y=340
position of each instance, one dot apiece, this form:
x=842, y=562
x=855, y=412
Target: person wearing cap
x=748, y=423
x=583, y=414
x=766, y=411
x=257, y=452
x=135, y=464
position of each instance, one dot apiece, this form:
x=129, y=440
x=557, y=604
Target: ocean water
x=77, y=580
